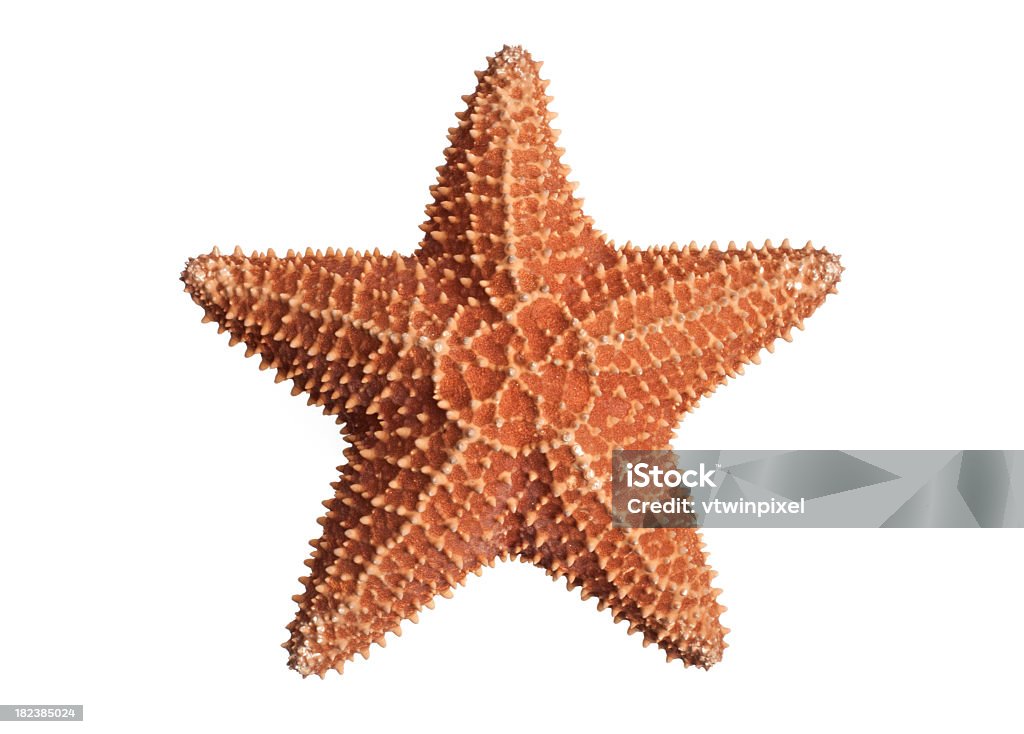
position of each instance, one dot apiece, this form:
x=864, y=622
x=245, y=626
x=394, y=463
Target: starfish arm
x=407, y=522
x=385, y=553
x=330, y=322
x=504, y=214
x=658, y=580
x=395, y=538
x=667, y=326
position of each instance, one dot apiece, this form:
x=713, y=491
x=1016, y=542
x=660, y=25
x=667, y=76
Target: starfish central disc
x=520, y=383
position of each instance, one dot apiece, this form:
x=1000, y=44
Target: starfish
x=483, y=381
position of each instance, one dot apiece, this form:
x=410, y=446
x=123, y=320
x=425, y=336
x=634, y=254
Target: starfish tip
x=194, y=274
x=513, y=61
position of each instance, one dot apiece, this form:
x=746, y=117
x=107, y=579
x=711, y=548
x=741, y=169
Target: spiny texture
x=483, y=381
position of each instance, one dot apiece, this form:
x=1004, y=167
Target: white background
x=158, y=490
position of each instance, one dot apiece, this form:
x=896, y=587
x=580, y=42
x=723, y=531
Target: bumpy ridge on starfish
x=483, y=381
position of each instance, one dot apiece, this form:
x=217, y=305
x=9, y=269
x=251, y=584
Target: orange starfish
x=483, y=381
